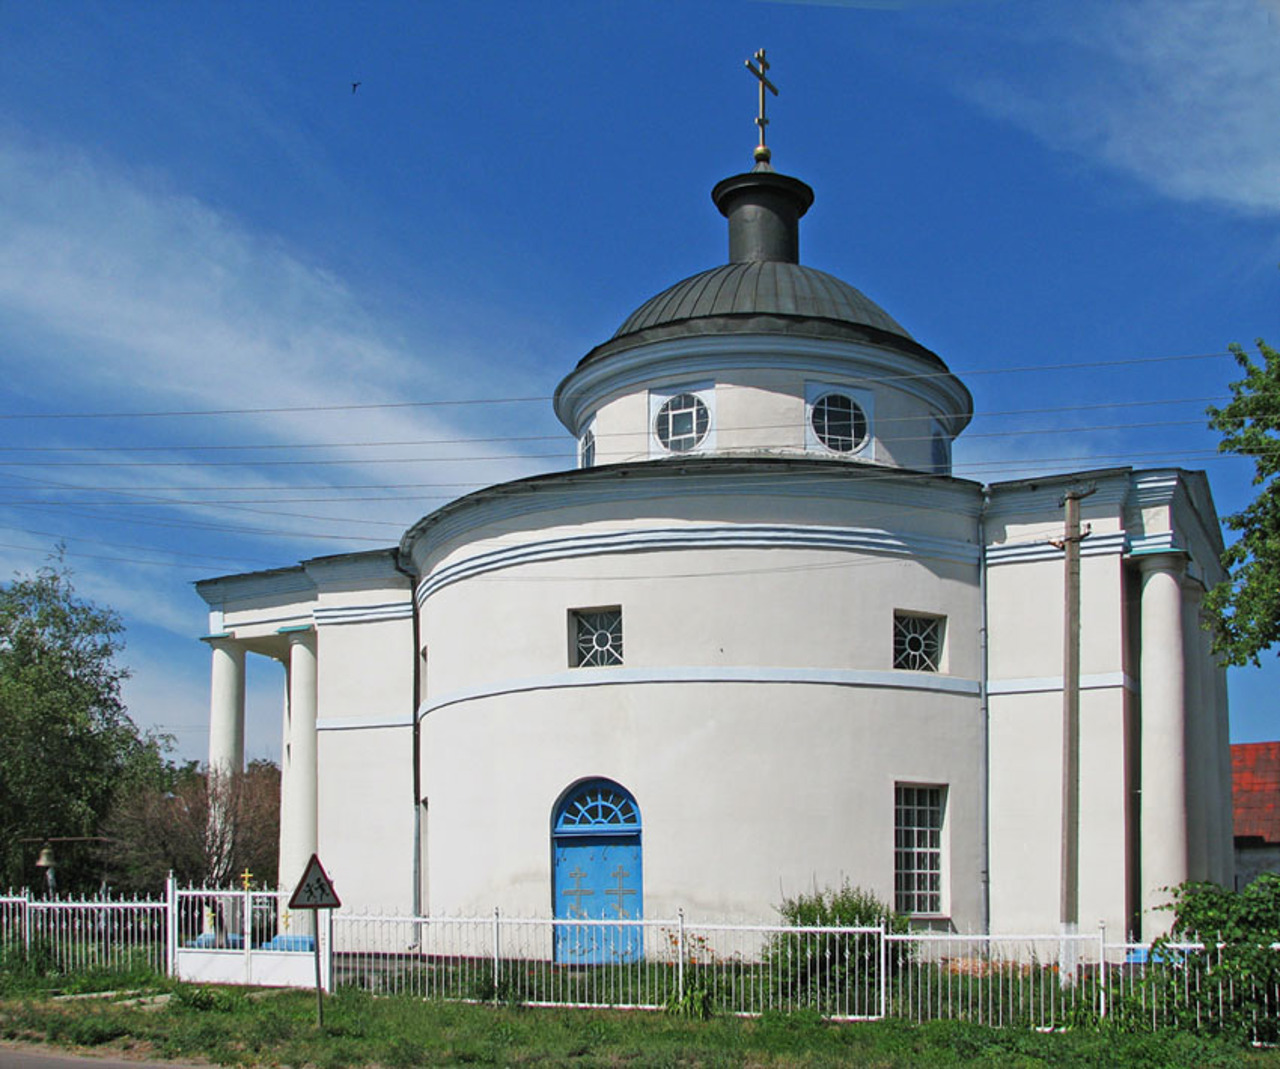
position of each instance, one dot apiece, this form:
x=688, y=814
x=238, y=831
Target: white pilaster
x=298, y=838
x=226, y=706
x=1164, y=739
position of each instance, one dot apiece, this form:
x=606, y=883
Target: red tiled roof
x=1255, y=790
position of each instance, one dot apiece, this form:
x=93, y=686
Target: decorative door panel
x=597, y=875
x=598, y=878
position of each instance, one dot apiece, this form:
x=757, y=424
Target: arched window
x=595, y=806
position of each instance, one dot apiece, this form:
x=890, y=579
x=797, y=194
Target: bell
x=45, y=860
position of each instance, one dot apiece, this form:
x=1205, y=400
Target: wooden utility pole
x=1070, y=544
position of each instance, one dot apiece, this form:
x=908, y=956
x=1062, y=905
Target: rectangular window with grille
x=596, y=637
x=917, y=864
x=917, y=642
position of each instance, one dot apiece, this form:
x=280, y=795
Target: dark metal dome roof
x=761, y=287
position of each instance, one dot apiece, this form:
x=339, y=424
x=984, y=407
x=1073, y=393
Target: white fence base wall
x=257, y=968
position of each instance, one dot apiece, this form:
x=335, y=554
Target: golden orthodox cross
x=761, y=72
x=619, y=874
x=246, y=878
x=576, y=892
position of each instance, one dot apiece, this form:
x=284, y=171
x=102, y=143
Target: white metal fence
x=83, y=935
x=849, y=973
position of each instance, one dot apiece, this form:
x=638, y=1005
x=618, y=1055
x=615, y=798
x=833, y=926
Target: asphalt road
x=47, y=1058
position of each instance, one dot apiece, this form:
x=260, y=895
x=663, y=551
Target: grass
x=236, y=1026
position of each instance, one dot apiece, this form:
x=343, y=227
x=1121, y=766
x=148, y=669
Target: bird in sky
x=355, y=86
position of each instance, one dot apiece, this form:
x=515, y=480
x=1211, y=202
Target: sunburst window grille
x=839, y=422
x=917, y=642
x=682, y=422
x=598, y=805
x=598, y=638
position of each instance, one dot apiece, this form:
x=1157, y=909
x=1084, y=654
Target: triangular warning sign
x=315, y=889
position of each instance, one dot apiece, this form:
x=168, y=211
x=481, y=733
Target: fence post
x=1102, y=970
x=883, y=993
x=328, y=950
x=171, y=922
x=680, y=954
x=26, y=924
x=497, y=950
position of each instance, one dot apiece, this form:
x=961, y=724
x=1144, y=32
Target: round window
x=682, y=422
x=839, y=422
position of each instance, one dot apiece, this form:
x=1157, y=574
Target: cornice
x=585, y=388
x=700, y=536
x=328, y=616
x=1044, y=495
x=692, y=478
x=273, y=583
x=1100, y=545
x=346, y=568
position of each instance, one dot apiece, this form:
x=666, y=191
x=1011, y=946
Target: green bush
x=835, y=973
x=1232, y=985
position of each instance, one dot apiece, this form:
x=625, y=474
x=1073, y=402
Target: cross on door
x=577, y=892
x=619, y=874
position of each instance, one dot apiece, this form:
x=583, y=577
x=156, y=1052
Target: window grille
x=682, y=422
x=597, y=638
x=917, y=865
x=839, y=422
x=917, y=642
x=589, y=449
x=598, y=804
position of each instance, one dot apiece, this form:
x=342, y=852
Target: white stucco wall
x=757, y=717
x=757, y=386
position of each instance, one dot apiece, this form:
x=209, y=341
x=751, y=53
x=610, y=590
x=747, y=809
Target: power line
x=560, y=436
x=443, y=403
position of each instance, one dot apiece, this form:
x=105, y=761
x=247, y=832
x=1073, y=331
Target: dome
x=761, y=287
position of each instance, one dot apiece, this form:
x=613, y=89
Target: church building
x=759, y=641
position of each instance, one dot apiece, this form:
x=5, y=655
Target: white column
x=282, y=857
x=226, y=706
x=298, y=838
x=1199, y=749
x=1164, y=779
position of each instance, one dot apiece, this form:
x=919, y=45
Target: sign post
x=315, y=892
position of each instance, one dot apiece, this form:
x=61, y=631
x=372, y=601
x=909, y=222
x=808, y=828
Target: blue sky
x=1075, y=204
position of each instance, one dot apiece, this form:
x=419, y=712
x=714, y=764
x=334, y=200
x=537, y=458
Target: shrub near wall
x=1232, y=985
x=835, y=973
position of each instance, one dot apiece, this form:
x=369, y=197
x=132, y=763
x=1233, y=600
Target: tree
x=68, y=743
x=205, y=829
x=1246, y=606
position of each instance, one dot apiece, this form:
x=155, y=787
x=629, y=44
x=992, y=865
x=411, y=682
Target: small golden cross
x=762, y=152
x=246, y=878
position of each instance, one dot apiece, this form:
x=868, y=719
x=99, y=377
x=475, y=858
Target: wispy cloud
x=1181, y=94
x=118, y=293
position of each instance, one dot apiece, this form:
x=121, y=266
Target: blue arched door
x=597, y=873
